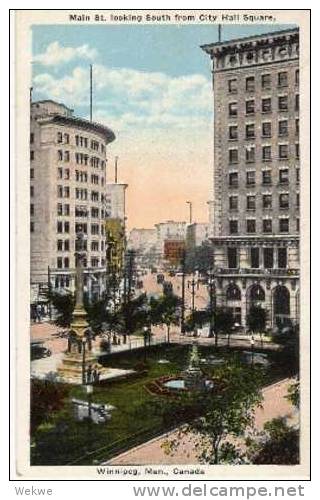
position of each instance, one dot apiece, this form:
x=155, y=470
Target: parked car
x=39, y=351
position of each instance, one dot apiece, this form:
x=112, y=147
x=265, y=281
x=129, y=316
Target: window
x=266, y=129
x=66, y=227
x=60, y=173
x=232, y=256
x=232, y=86
x=31, y=191
x=95, y=246
x=233, y=156
x=233, y=132
x=233, y=109
x=31, y=227
x=67, y=210
x=266, y=81
x=94, y=262
x=31, y=155
x=283, y=127
x=298, y=224
x=282, y=258
x=267, y=225
x=66, y=156
x=31, y=209
x=266, y=177
x=266, y=153
x=297, y=150
x=250, y=84
x=251, y=202
x=296, y=79
x=94, y=212
x=283, y=103
x=66, y=138
x=233, y=179
x=297, y=200
x=233, y=202
x=250, y=134
x=297, y=175
x=59, y=245
x=297, y=126
x=59, y=262
x=31, y=173
x=59, y=227
x=59, y=191
x=255, y=257
x=59, y=137
x=283, y=151
x=67, y=174
x=268, y=258
x=233, y=226
x=297, y=102
x=66, y=192
x=251, y=225
x=251, y=178
x=250, y=154
x=66, y=245
x=59, y=209
x=283, y=79
x=31, y=138
x=266, y=105
x=284, y=176
x=77, y=140
x=284, y=225
x=284, y=200
x=250, y=107
x=267, y=201
x=94, y=228
x=66, y=262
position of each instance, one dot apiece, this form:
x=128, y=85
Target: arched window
x=233, y=292
x=257, y=293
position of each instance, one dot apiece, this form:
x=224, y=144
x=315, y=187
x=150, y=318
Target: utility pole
x=49, y=292
x=183, y=292
x=219, y=33
x=91, y=92
x=116, y=169
x=211, y=285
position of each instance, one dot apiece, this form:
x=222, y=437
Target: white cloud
x=125, y=97
x=56, y=54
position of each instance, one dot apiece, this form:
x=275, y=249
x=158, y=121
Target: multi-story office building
x=169, y=230
x=256, y=174
x=197, y=233
x=67, y=196
x=116, y=200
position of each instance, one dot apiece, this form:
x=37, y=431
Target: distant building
x=115, y=235
x=197, y=233
x=67, y=196
x=115, y=200
x=256, y=213
x=173, y=252
x=169, y=230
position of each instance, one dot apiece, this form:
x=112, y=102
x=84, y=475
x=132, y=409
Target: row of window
x=267, y=201
x=79, y=176
x=266, y=153
x=266, y=130
x=266, y=105
x=266, y=81
x=269, y=257
x=267, y=226
x=266, y=179
x=64, y=138
x=95, y=229
x=80, y=193
x=64, y=263
x=64, y=246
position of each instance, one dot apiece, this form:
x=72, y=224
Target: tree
x=223, y=323
x=132, y=315
x=227, y=413
x=256, y=320
x=64, y=305
x=165, y=310
x=294, y=394
x=278, y=444
x=46, y=397
x=197, y=319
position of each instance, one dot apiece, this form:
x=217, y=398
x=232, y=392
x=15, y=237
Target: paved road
x=274, y=405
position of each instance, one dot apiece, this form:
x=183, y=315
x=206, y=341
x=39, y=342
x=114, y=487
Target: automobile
x=39, y=351
x=167, y=287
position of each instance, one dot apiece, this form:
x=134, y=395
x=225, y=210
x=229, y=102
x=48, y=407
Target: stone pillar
x=294, y=306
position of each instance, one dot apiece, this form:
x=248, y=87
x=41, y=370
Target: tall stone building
x=67, y=196
x=256, y=174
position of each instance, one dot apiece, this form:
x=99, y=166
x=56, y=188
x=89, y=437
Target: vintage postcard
x=162, y=244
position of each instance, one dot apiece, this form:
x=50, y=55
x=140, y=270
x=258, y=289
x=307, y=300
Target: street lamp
x=89, y=389
x=83, y=340
x=145, y=337
x=211, y=286
x=252, y=342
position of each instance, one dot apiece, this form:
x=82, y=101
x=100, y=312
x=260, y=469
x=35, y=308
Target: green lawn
x=61, y=440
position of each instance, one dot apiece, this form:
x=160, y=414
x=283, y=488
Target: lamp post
x=145, y=337
x=84, y=340
x=194, y=283
x=252, y=350
x=211, y=286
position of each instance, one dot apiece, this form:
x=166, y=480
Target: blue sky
x=152, y=86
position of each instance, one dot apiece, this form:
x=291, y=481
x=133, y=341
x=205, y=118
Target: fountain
x=192, y=379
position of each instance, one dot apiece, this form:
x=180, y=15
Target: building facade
x=197, y=233
x=67, y=196
x=256, y=209
x=115, y=200
x=169, y=230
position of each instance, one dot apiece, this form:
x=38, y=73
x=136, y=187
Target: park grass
x=136, y=418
